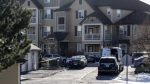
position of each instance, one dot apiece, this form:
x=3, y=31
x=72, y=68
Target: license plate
x=107, y=65
x=75, y=64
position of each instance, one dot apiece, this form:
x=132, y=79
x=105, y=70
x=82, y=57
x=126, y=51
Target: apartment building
x=84, y=25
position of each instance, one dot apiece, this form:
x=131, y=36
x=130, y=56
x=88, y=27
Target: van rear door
x=106, y=52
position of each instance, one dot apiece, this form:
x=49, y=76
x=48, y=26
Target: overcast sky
x=146, y=1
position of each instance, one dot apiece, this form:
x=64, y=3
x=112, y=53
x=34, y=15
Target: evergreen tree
x=13, y=21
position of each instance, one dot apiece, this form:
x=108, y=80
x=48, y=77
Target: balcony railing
x=61, y=27
x=92, y=36
x=31, y=36
x=33, y=20
x=108, y=37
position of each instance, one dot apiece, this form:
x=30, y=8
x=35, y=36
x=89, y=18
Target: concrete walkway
x=42, y=73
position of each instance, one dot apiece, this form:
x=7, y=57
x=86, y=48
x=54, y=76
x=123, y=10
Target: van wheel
x=99, y=73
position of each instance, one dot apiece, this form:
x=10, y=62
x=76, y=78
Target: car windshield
x=76, y=58
x=107, y=61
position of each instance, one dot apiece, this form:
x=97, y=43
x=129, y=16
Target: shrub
x=142, y=69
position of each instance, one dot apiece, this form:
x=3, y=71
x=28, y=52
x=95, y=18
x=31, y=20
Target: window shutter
x=85, y=13
x=80, y=1
x=128, y=30
x=51, y=30
x=51, y=13
x=85, y=30
x=75, y=30
x=76, y=14
x=117, y=30
x=42, y=31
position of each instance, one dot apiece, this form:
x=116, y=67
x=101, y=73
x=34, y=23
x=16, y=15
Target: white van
x=115, y=52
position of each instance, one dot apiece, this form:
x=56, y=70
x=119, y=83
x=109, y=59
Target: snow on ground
x=141, y=78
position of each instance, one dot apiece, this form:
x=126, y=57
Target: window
x=123, y=30
x=31, y=30
x=81, y=14
x=79, y=47
x=46, y=31
x=108, y=11
x=28, y=3
x=46, y=1
x=47, y=13
x=118, y=13
x=80, y=1
x=78, y=30
x=61, y=20
x=33, y=18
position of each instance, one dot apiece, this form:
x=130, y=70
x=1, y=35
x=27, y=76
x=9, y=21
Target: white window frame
x=79, y=32
x=47, y=1
x=118, y=14
x=61, y=24
x=47, y=12
x=124, y=30
x=82, y=14
x=108, y=11
x=47, y=30
x=32, y=33
x=79, y=47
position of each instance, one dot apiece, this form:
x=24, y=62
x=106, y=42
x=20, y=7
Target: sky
x=146, y=1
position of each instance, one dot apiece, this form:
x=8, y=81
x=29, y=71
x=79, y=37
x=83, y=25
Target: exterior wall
x=11, y=75
x=104, y=10
x=122, y=12
x=25, y=5
x=75, y=22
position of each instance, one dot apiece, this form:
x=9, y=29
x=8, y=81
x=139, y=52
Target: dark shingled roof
x=66, y=7
x=102, y=17
x=136, y=17
x=125, y=4
x=58, y=35
x=36, y=3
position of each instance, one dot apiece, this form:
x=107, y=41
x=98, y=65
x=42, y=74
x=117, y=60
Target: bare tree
x=141, y=38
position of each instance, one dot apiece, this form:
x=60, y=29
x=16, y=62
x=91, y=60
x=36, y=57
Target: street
x=87, y=75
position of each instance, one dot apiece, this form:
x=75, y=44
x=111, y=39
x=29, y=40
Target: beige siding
x=123, y=14
x=10, y=75
x=53, y=3
x=25, y=5
x=75, y=22
x=104, y=10
x=64, y=2
x=92, y=20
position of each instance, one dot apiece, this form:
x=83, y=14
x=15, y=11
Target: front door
x=90, y=30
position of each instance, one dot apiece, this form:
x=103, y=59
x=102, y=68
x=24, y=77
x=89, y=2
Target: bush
x=140, y=70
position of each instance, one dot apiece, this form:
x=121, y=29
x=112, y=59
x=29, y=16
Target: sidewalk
x=42, y=73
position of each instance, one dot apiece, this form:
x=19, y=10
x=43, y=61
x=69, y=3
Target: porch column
x=83, y=32
x=102, y=35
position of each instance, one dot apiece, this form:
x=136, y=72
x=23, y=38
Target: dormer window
x=108, y=11
x=118, y=13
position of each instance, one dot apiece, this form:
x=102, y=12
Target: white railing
x=31, y=36
x=33, y=20
x=108, y=37
x=61, y=27
x=92, y=36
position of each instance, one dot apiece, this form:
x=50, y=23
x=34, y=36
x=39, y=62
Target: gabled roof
x=102, y=17
x=65, y=7
x=36, y=3
x=136, y=17
x=125, y=4
x=57, y=35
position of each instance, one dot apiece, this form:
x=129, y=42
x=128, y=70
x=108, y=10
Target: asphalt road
x=87, y=75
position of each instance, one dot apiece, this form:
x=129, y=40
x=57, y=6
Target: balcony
x=108, y=37
x=31, y=36
x=33, y=20
x=61, y=27
x=92, y=36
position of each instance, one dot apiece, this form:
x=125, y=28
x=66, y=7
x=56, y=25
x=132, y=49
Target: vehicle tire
x=142, y=65
x=99, y=73
x=117, y=72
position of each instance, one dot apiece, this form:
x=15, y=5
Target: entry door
x=90, y=48
x=90, y=30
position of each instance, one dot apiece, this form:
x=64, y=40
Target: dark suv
x=137, y=55
x=108, y=64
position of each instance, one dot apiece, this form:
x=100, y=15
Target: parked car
x=93, y=57
x=137, y=55
x=138, y=62
x=108, y=64
x=52, y=56
x=79, y=60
